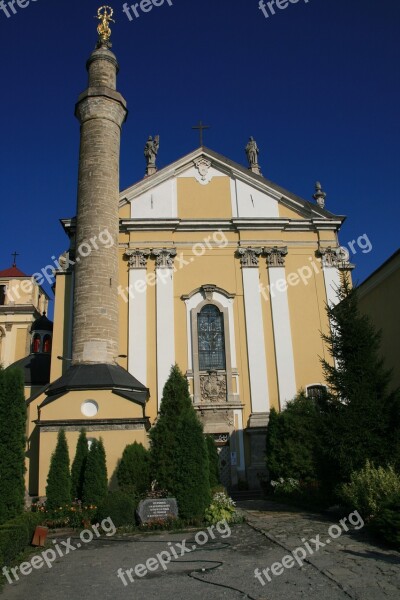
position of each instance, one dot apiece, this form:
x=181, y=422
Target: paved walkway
x=360, y=568
x=224, y=568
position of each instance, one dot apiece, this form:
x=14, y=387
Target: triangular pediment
x=207, y=185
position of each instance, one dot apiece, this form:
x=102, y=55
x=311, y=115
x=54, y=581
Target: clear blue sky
x=316, y=84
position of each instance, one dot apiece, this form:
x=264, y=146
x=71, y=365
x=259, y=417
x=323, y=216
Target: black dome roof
x=36, y=368
x=42, y=324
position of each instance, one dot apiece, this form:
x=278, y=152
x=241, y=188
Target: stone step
x=239, y=496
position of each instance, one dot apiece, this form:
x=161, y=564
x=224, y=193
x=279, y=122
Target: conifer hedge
x=12, y=443
x=58, y=490
x=95, y=485
x=178, y=449
x=133, y=473
x=79, y=465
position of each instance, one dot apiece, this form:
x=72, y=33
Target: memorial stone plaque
x=157, y=509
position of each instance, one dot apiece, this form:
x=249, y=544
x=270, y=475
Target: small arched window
x=47, y=343
x=316, y=392
x=211, y=336
x=36, y=343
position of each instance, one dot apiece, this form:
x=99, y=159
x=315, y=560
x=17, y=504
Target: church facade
x=205, y=264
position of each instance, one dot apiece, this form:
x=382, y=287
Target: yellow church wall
x=326, y=236
x=197, y=201
x=66, y=408
x=215, y=266
x=125, y=211
x=287, y=213
x=181, y=353
x=378, y=299
x=114, y=443
x=123, y=311
x=21, y=291
x=307, y=315
x=62, y=318
x=110, y=405
x=21, y=343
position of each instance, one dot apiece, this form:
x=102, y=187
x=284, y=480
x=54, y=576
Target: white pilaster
x=331, y=259
x=282, y=336
x=332, y=284
x=137, y=336
x=165, y=317
x=137, y=328
x=255, y=331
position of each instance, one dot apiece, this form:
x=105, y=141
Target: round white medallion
x=89, y=408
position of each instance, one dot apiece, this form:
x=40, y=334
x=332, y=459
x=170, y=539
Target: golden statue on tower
x=104, y=14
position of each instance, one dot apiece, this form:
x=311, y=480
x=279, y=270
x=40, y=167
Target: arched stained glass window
x=47, y=343
x=36, y=343
x=210, y=325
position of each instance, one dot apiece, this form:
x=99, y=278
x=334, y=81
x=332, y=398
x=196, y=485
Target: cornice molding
x=208, y=290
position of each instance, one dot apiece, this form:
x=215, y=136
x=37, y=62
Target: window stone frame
x=194, y=313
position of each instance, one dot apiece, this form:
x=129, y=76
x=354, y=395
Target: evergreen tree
x=12, y=443
x=293, y=440
x=213, y=460
x=79, y=465
x=178, y=449
x=133, y=473
x=359, y=411
x=95, y=485
x=58, y=490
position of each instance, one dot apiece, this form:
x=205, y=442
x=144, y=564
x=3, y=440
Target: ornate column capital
x=276, y=256
x=249, y=256
x=335, y=257
x=164, y=257
x=137, y=259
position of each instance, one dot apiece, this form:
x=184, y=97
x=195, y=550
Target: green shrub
x=79, y=465
x=286, y=486
x=120, y=506
x=16, y=534
x=76, y=515
x=213, y=460
x=133, y=473
x=370, y=489
x=222, y=508
x=95, y=485
x=387, y=523
x=58, y=489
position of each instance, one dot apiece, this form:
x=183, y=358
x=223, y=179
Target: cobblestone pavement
x=350, y=567
x=359, y=567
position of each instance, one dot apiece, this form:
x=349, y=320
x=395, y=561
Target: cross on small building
x=14, y=255
x=201, y=128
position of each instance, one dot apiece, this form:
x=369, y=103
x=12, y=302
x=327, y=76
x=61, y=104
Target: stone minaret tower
x=101, y=110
